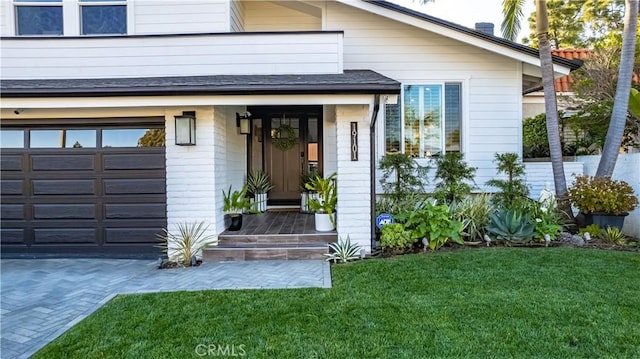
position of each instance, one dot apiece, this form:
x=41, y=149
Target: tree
x=512, y=10
x=623, y=90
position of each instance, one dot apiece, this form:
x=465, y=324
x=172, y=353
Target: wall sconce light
x=186, y=129
x=244, y=123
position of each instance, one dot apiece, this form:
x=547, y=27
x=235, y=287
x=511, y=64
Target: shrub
x=512, y=189
x=409, y=202
x=602, y=194
x=593, y=229
x=474, y=212
x=534, y=137
x=613, y=235
x=401, y=175
x=435, y=223
x=453, y=174
x=395, y=238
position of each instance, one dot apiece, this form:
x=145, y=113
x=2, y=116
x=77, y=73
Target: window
x=98, y=17
x=429, y=123
x=11, y=139
x=38, y=17
x=62, y=139
x=133, y=137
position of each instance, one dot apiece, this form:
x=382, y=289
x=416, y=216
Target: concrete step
x=295, y=239
x=265, y=251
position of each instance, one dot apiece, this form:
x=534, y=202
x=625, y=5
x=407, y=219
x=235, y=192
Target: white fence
x=627, y=169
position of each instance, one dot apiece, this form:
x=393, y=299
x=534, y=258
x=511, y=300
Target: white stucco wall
x=354, y=180
x=627, y=169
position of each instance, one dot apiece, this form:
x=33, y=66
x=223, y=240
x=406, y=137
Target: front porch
x=276, y=234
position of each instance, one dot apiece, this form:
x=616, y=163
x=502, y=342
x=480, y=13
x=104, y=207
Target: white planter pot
x=324, y=222
x=260, y=202
x=304, y=202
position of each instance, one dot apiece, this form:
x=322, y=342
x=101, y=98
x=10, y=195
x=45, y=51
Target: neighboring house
x=91, y=88
x=533, y=100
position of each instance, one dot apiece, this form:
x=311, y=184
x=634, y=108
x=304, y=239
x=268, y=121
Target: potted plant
x=259, y=183
x=324, y=205
x=235, y=203
x=602, y=200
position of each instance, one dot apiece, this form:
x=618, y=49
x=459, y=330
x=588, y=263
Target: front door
x=290, y=141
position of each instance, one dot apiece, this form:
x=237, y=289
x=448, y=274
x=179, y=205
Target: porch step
x=264, y=251
x=276, y=239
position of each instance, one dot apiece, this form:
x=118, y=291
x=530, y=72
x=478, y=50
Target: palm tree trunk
x=551, y=108
x=623, y=89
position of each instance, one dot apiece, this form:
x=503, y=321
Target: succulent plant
x=511, y=225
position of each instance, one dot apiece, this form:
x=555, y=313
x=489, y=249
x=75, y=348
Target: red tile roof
x=563, y=84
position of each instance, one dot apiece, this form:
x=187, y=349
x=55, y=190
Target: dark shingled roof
x=349, y=82
x=573, y=65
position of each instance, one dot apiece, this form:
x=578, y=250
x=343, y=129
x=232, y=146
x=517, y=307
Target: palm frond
x=512, y=12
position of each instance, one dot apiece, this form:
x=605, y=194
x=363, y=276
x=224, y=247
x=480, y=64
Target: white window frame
x=71, y=21
x=464, y=125
x=13, y=19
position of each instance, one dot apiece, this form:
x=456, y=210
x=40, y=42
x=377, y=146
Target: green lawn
x=478, y=303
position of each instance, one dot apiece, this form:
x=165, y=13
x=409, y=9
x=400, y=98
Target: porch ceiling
x=349, y=82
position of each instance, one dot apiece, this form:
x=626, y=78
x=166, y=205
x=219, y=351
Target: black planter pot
x=236, y=222
x=604, y=220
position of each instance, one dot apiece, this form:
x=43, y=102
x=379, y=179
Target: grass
x=488, y=303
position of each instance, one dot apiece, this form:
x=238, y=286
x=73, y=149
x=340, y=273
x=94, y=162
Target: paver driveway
x=42, y=298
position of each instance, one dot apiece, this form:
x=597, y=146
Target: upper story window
x=38, y=17
x=99, y=17
x=70, y=17
x=427, y=122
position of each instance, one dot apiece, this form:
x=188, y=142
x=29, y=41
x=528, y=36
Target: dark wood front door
x=291, y=148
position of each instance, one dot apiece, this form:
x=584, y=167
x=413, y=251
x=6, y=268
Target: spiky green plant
x=474, y=212
x=236, y=201
x=258, y=182
x=343, y=251
x=613, y=235
x=185, y=244
x=511, y=225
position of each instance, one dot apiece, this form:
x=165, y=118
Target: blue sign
x=383, y=218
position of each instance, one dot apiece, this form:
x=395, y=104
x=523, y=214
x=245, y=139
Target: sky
x=468, y=12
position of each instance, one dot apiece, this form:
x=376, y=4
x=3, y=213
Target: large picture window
x=427, y=121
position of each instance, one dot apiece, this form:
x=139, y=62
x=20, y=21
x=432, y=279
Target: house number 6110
x=354, y=141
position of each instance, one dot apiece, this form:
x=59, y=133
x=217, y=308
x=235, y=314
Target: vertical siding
x=237, y=16
x=184, y=17
x=491, y=83
x=329, y=143
x=271, y=16
x=236, y=146
x=6, y=14
x=354, y=206
x=191, y=190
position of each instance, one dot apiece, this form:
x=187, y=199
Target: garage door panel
x=139, y=162
x=11, y=187
x=11, y=211
x=134, y=186
x=132, y=235
x=11, y=163
x=129, y=211
x=64, y=211
x=59, y=235
x=63, y=187
x=62, y=163
x=12, y=235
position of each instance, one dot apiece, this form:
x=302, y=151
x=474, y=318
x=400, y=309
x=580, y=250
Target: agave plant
x=259, y=182
x=343, y=251
x=511, y=225
x=186, y=243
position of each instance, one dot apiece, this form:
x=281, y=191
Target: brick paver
x=42, y=298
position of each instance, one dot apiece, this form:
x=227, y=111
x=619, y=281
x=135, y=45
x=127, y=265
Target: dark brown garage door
x=87, y=190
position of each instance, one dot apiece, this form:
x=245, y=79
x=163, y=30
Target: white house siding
x=236, y=149
x=237, y=16
x=491, y=83
x=627, y=169
x=5, y=21
x=539, y=173
x=190, y=55
x=193, y=197
x=271, y=16
x=184, y=17
x=329, y=140
x=354, y=180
